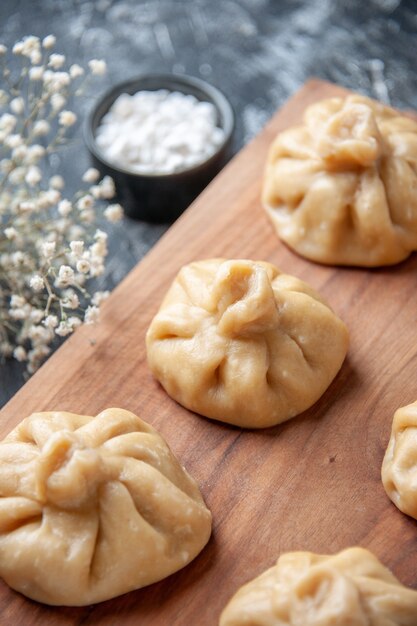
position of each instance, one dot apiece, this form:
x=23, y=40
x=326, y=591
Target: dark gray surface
x=257, y=51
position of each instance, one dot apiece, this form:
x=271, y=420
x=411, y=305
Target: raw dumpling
x=351, y=588
x=93, y=507
x=342, y=188
x=399, y=469
x=240, y=342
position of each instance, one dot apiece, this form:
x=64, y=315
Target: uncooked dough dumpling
x=342, y=187
x=399, y=469
x=240, y=342
x=93, y=507
x=351, y=588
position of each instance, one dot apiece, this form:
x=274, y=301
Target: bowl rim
x=216, y=96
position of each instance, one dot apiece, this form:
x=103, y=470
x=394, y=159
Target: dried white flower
x=91, y=315
x=20, y=354
x=12, y=141
x=48, y=42
x=57, y=101
x=51, y=321
x=11, y=233
x=99, y=297
x=7, y=123
x=16, y=302
x=36, y=73
x=33, y=176
x=17, y=105
x=64, y=208
x=97, y=66
x=76, y=71
x=91, y=175
x=70, y=300
x=77, y=248
x=41, y=128
x=36, y=283
x=86, y=202
x=113, y=213
x=107, y=188
x=67, y=118
x=48, y=249
x=83, y=266
x=35, y=153
x=56, y=61
x=63, y=329
x=56, y=81
x=57, y=182
x=65, y=275
x=27, y=206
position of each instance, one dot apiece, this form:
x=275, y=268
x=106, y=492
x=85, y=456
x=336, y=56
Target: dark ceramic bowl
x=161, y=197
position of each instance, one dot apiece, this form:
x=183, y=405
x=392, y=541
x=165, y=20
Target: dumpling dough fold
x=351, y=588
x=243, y=343
x=399, y=468
x=341, y=188
x=93, y=507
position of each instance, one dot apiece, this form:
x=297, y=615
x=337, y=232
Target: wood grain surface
x=310, y=484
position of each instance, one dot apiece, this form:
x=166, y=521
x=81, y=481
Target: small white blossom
x=36, y=315
x=74, y=322
x=57, y=182
x=51, y=197
x=86, y=202
x=16, y=301
x=97, y=66
x=63, y=329
x=71, y=300
x=64, y=208
x=48, y=42
x=17, y=105
x=35, y=57
x=27, y=206
x=36, y=73
x=18, y=47
x=37, y=283
x=51, y=321
x=113, y=213
x=99, y=297
x=12, y=141
x=56, y=61
x=107, y=188
x=11, y=233
x=34, y=153
x=76, y=71
x=6, y=349
x=57, y=101
x=33, y=176
x=28, y=47
x=20, y=354
x=91, y=315
x=83, y=266
x=65, y=275
x=48, y=249
x=67, y=118
x=17, y=175
x=91, y=175
x=56, y=81
x=7, y=122
x=41, y=128
x=77, y=248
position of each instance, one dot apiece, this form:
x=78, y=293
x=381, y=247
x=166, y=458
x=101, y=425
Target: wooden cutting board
x=310, y=484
